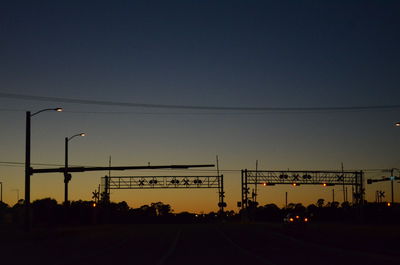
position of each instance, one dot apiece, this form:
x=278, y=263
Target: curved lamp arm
x=37, y=112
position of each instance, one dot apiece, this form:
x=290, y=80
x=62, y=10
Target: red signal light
x=268, y=184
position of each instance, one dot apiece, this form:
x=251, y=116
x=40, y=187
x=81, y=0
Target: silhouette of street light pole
x=28, y=169
x=392, y=178
x=67, y=177
x=1, y=190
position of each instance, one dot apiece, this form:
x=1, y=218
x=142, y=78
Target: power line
x=258, y=113
x=18, y=164
x=196, y=107
x=2, y=109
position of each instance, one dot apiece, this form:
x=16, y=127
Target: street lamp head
x=397, y=124
x=73, y=136
x=37, y=112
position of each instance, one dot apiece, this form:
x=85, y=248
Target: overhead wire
x=245, y=109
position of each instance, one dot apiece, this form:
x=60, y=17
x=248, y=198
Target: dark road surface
x=190, y=244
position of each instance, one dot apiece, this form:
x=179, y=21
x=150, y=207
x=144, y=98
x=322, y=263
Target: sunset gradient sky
x=277, y=54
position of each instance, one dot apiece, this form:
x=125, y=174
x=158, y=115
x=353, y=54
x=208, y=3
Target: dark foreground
x=202, y=244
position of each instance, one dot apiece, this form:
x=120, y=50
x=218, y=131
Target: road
x=191, y=245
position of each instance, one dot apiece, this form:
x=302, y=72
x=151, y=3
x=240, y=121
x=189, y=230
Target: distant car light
x=291, y=219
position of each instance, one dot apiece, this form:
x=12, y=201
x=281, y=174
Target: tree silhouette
x=346, y=205
x=45, y=210
x=122, y=206
x=148, y=211
x=299, y=208
x=4, y=209
x=3, y=206
x=320, y=203
x=291, y=206
x=161, y=208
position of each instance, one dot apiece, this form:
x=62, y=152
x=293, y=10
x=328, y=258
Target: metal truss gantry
x=164, y=182
x=299, y=177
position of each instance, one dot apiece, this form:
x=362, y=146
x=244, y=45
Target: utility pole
x=344, y=190
x=67, y=177
x=256, y=184
x=109, y=166
x=391, y=182
x=286, y=200
x=27, y=171
x=1, y=190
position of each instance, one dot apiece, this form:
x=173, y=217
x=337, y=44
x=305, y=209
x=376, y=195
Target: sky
x=212, y=54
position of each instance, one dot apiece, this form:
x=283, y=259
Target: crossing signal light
x=268, y=184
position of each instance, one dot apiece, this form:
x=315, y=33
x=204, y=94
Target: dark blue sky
x=208, y=53
x=242, y=52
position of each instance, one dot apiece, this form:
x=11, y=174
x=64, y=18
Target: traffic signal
x=268, y=184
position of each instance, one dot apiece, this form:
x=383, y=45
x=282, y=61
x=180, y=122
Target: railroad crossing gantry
x=164, y=182
x=299, y=177
x=392, y=178
x=30, y=171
